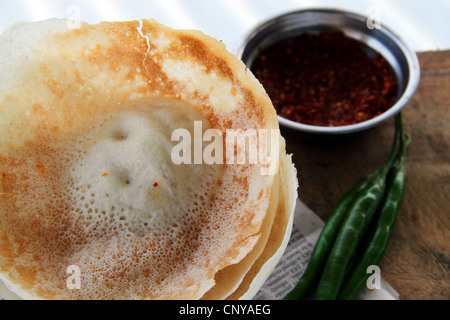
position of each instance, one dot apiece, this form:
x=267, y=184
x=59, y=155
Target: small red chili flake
x=41, y=168
x=327, y=79
x=155, y=184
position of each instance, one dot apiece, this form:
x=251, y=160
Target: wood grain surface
x=417, y=260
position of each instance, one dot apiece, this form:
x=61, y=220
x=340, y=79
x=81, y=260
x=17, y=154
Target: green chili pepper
x=374, y=251
x=325, y=242
x=350, y=235
x=353, y=228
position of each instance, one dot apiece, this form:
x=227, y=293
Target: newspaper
x=305, y=232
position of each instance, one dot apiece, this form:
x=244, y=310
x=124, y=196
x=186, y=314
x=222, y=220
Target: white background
x=423, y=24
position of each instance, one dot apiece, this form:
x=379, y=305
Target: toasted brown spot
x=260, y=195
x=130, y=50
x=197, y=49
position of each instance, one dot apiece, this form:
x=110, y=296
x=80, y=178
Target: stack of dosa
x=87, y=179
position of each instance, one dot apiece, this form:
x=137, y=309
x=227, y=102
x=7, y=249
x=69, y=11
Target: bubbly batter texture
x=86, y=177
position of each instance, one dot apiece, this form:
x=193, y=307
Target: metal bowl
x=402, y=59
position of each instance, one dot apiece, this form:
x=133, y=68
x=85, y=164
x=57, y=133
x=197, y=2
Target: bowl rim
x=407, y=52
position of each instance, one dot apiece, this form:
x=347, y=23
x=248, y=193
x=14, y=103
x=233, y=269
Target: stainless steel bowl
x=403, y=60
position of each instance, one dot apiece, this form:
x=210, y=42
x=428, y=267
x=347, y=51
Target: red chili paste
x=326, y=79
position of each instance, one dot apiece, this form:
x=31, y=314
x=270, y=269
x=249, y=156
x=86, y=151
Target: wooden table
x=417, y=261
